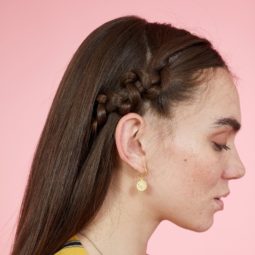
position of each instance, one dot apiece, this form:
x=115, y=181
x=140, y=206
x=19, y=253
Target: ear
x=127, y=133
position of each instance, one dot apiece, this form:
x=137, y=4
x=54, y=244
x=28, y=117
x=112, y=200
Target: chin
x=201, y=228
x=197, y=225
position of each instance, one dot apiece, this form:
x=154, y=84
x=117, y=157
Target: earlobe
x=128, y=144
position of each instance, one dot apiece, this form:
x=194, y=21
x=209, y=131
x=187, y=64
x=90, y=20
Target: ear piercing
x=141, y=184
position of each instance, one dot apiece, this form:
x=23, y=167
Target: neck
x=123, y=225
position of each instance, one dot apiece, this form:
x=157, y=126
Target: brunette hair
x=120, y=66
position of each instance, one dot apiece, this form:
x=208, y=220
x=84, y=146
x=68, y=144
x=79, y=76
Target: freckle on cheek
x=185, y=160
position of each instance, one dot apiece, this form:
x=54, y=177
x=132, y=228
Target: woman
x=141, y=130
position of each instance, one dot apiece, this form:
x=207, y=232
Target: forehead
x=218, y=98
x=221, y=97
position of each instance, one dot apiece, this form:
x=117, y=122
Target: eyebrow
x=231, y=122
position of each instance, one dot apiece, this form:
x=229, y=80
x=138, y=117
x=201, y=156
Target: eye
x=220, y=147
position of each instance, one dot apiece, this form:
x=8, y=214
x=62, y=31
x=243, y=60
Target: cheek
x=182, y=174
x=202, y=175
x=191, y=174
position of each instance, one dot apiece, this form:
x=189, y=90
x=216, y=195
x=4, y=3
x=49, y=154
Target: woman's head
x=126, y=73
x=188, y=166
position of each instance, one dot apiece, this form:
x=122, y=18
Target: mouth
x=219, y=202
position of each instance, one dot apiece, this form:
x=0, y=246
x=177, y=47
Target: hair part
x=122, y=66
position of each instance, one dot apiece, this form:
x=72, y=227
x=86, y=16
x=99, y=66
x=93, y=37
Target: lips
x=219, y=201
x=224, y=195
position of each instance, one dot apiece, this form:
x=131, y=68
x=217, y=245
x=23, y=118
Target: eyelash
x=220, y=147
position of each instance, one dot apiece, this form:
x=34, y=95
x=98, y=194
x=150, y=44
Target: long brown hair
x=121, y=65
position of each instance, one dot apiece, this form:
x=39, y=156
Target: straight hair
x=122, y=66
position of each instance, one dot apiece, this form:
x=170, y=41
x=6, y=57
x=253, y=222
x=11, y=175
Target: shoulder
x=72, y=246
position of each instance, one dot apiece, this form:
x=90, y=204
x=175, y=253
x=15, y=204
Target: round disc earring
x=141, y=184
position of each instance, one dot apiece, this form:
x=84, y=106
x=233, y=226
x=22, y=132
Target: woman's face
x=187, y=171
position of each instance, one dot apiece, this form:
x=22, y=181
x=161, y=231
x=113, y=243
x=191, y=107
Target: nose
x=235, y=169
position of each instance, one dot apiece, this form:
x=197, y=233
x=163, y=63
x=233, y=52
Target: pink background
x=37, y=41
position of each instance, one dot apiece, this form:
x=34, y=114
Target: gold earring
x=141, y=184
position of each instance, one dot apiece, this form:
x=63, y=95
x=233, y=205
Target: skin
x=185, y=171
